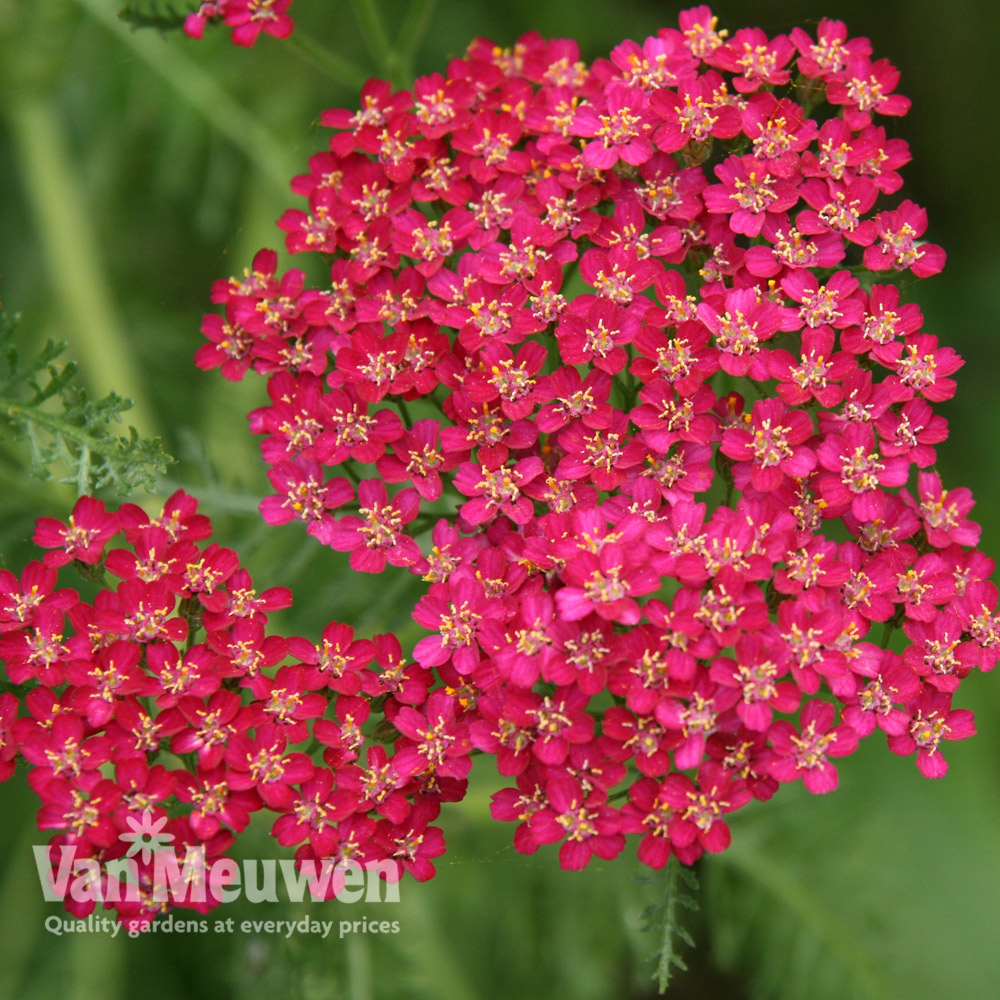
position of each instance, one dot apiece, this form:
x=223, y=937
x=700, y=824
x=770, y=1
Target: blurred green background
x=134, y=170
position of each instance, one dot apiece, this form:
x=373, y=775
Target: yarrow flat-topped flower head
x=612, y=360
x=634, y=310
x=633, y=307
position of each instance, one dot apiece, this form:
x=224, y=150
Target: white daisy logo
x=146, y=836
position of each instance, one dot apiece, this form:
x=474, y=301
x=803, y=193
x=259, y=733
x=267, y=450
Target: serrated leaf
x=62, y=426
x=663, y=918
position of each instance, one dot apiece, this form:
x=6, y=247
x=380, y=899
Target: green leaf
x=663, y=918
x=155, y=15
x=64, y=428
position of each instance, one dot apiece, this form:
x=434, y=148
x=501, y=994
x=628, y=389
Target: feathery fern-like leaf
x=664, y=919
x=63, y=427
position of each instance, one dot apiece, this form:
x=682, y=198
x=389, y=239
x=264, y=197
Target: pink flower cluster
x=602, y=359
x=112, y=685
x=247, y=18
x=663, y=445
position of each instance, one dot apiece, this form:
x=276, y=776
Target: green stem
x=411, y=33
x=422, y=522
x=628, y=388
x=191, y=611
x=887, y=631
x=343, y=71
x=72, y=249
x=437, y=404
x=19, y=895
x=359, y=969
x=203, y=93
x=376, y=40
x=225, y=500
x=352, y=473
x=404, y=413
x=890, y=627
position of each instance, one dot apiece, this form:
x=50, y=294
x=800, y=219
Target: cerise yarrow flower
x=176, y=657
x=247, y=18
x=602, y=355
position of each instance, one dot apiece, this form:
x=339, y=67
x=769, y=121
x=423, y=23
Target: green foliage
x=664, y=919
x=779, y=913
x=153, y=15
x=42, y=405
